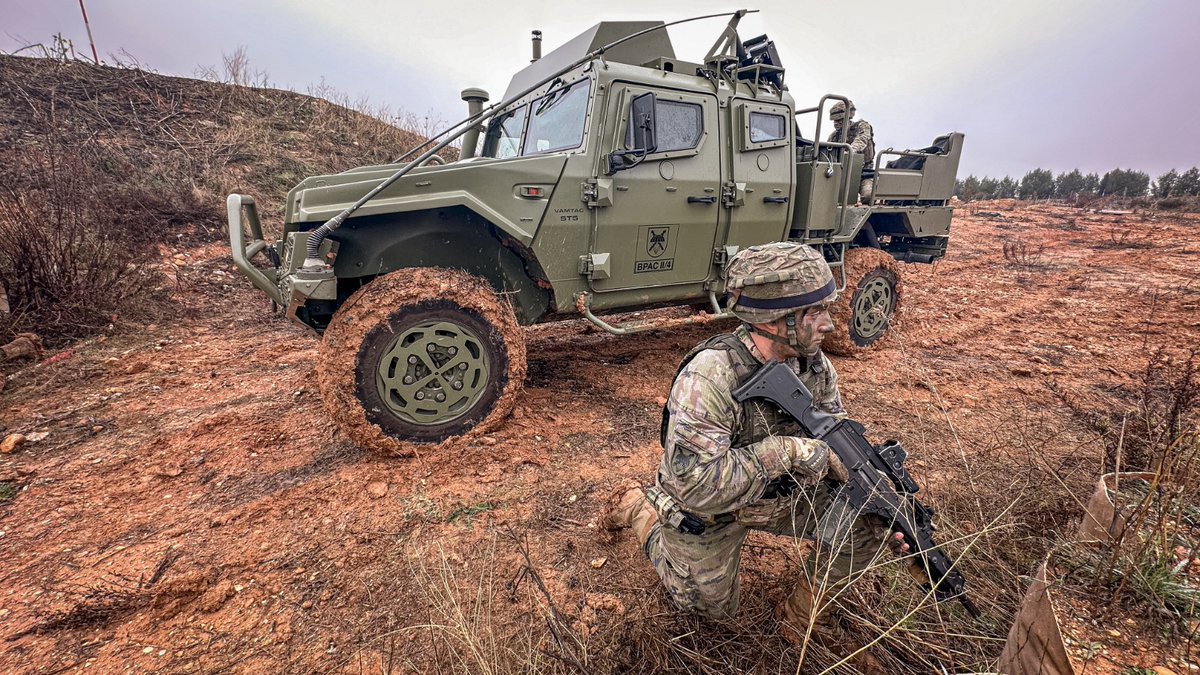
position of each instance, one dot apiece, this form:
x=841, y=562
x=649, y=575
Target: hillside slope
x=102, y=170
x=178, y=133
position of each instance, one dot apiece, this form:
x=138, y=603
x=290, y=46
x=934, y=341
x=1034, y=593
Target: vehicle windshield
x=556, y=124
x=504, y=134
x=557, y=120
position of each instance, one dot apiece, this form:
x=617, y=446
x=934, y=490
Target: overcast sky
x=1093, y=84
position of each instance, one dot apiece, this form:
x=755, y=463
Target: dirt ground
x=191, y=509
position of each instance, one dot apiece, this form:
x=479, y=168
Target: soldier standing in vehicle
x=723, y=460
x=861, y=139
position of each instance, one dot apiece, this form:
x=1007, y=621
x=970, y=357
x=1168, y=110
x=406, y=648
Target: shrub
x=1173, y=203
x=1023, y=254
x=1125, y=182
x=73, y=243
x=1069, y=185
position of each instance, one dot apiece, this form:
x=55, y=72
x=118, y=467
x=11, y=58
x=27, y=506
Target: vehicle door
x=760, y=194
x=656, y=215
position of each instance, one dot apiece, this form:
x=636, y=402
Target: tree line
x=1042, y=184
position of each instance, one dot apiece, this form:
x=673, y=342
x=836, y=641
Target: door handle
x=775, y=200
x=702, y=200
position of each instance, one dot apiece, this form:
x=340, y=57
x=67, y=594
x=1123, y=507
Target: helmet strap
x=790, y=322
x=770, y=336
x=791, y=340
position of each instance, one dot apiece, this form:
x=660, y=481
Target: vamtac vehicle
x=611, y=177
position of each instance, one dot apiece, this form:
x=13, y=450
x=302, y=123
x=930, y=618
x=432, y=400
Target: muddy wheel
x=421, y=357
x=864, y=312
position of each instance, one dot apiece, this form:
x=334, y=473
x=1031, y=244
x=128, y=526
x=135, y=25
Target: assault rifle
x=879, y=485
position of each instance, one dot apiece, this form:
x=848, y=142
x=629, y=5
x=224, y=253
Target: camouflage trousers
x=866, y=190
x=700, y=572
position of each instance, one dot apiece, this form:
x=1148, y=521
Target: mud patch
x=371, y=306
x=859, y=262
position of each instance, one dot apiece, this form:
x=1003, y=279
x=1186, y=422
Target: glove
x=808, y=458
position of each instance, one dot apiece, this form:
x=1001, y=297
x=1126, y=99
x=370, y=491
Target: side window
x=504, y=135
x=558, y=119
x=678, y=126
x=766, y=127
x=763, y=126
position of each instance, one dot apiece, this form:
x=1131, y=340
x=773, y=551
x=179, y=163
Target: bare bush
x=1124, y=235
x=1079, y=281
x=1189, y=204
x=237, y=70
x=1163, y=422
x=73, y=247
x=1144, y=570
x=1023, y=254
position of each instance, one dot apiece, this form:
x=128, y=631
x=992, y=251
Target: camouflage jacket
x=718, y=454
x=861, y=139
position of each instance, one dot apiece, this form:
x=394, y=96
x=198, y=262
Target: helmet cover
x=770, y=281
x=838, y=111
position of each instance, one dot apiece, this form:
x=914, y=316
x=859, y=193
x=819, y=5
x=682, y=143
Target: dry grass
x=104, y=169
x=501, y=611
x=427, y=608
x=1020, y=253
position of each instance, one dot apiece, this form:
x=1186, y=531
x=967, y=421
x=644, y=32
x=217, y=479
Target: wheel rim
x=432, y=373
x=873, y=308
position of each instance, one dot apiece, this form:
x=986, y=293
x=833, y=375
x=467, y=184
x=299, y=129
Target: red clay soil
x=192, y=509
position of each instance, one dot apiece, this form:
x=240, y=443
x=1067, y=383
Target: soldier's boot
x=800, y=615
x=802, y=618
x=629, y=508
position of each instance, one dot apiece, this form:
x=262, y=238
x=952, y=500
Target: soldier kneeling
x=722, y=460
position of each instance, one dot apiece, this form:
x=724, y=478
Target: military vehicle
x=611, y=177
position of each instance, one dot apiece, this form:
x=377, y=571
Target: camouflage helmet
x=838, y=111
x=771, y=281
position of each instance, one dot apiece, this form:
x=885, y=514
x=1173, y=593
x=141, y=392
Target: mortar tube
x=475, y=99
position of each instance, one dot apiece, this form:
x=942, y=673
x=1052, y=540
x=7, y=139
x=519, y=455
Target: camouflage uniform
x=861, y=138
x=718, y=460
x=721, y=458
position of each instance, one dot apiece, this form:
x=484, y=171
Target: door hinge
x=597, y=192
x=595, y=266
x=733, y=194
x=723, y=254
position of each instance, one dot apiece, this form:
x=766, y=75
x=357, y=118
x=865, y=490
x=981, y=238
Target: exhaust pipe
x=475, y=99
x=537, y=46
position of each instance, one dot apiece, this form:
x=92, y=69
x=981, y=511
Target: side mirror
x=641, y=116
x=642, y=132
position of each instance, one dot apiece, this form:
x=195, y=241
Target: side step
x=583, y=303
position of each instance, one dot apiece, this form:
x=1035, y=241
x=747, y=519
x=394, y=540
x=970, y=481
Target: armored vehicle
x=611, y=177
